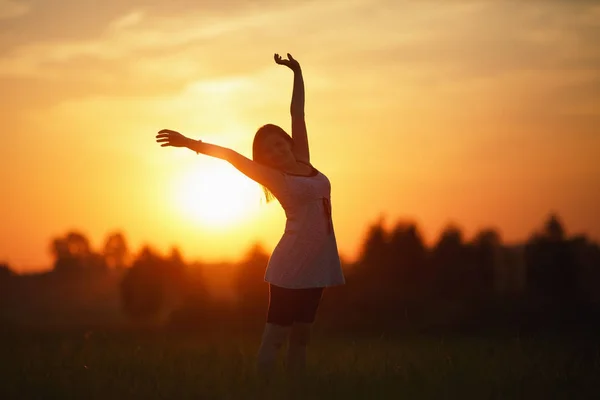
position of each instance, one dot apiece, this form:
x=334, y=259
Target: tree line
x=398, y=282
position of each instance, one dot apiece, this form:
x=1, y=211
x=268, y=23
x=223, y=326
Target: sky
x=475, y=113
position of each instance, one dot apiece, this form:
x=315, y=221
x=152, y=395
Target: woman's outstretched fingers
x=289, y=62
x=171, y=138
x=163, y=137
x=167, y=131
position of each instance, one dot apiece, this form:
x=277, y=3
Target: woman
x=306, y=259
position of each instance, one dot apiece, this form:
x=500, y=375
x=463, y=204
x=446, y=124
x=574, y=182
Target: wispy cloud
x=131, y=19
x=450, y=45
x=141, y=51
x=13, y=9
x=134, y=35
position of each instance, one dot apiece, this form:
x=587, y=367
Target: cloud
x=357, y=48
x=142, y=52
x=134, y=33
x=126, y=21
x=13, y=9
x=478, y=39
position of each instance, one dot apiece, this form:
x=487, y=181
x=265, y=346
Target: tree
x=5, y=275
x=375, y=248
x=249, y=281
x=142, y=288
x=5, y=271
x=487, y=238
x=553, y=229
x=175, y=277
x=116, y=251
x=407, y=254
x=448, y=259
x=551, y=265
x=587, y=254
x=5, y=282
x=369, y=276
x=485, y=249
x=73, y=255
x=390, y=263
x=153, y=285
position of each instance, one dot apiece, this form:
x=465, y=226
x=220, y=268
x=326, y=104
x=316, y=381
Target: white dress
x=307, y=254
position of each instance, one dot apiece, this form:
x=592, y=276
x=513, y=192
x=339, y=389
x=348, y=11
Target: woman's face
x=277, y=151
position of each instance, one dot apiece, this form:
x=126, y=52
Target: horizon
x=386, y=225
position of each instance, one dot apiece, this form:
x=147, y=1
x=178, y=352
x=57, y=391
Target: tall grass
x=159, y=365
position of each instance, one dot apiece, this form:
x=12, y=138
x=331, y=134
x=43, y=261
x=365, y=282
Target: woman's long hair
x=257, y=152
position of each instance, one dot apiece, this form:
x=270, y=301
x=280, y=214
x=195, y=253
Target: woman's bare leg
x=296, y=353
x=274, y=336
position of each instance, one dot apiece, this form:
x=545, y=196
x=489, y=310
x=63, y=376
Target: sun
x=216, y=195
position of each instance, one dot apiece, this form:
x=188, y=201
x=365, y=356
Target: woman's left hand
x=291, y=63
x=171, y=138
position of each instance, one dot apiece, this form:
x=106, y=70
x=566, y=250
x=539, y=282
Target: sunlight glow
x=216, y=195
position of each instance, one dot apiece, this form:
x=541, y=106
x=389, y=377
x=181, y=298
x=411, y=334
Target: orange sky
x=483, y=113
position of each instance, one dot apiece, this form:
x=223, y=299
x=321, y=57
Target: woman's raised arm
x=299, y=133
x=268, y=177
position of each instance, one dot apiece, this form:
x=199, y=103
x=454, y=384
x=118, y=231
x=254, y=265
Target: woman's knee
x=275, y=335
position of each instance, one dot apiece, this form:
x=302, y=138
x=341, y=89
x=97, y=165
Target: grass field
x=154, y=365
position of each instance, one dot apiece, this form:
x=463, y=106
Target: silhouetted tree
x=488, y=239
x=391, y=275
x=368, y=282
x=5, y=271
x=587, y=254
x=5, y=276
x=485, y=248
x=154, y=285
x=195, y=310
x=176, y=277
x=407, y=255
x=554, y=230
x=375, y=248
x=175, y=258
x=63, y=259
x=250, y=286
x=551, y=266
x=448, y=259
x=397, y=281
x=73, y=255
x=143, y=288
x=116, y=251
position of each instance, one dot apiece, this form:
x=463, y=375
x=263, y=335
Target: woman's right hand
x=171, y=138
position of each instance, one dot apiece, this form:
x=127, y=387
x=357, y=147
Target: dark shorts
x=287, y=306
